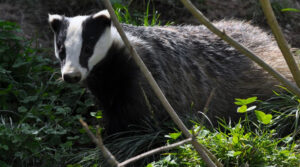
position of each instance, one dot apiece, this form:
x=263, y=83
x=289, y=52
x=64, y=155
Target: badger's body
x=188, y=62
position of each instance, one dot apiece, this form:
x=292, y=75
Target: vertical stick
x=282, y=43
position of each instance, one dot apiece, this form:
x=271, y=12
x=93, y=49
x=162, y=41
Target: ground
x=32, y=16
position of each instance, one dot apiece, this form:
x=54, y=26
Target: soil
x=32, y=16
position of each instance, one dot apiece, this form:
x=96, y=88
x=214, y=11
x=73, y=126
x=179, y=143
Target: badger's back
x=188, y=62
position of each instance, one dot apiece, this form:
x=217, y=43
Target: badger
x=188, y=62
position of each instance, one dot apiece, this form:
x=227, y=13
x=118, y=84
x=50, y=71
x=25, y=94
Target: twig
x=205, y=109
x=154, y=151
x=282, y=43
x=292, y=87
x=155, y=87
x=98, y=141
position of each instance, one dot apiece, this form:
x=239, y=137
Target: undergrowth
x=251, y=142
x=38, y=114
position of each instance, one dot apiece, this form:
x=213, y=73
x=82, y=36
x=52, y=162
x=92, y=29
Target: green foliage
x=38, y=122
x=251, y=142
x=237, y=147
x=137, y=18
x=285, y=108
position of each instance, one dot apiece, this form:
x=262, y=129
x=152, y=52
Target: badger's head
x=80, y=43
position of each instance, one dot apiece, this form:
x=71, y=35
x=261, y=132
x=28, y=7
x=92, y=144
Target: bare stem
x=98, y=141
x=282, y=43
x=154, y=151
x=155, y=87
x=292, y=87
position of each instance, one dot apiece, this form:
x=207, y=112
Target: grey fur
x=189, y=61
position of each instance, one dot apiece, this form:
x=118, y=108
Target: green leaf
x=22, y=109
x=230, y=153
x=242, y=109
x=233, y=153
x=287, y=140
x=19, y=63
x=30, y=99
x=290, y=10
x=149, y=165
x=235, y=139
x=73, y=137
x=262, y=117
x=97, y=114
x=236, y=153
x=5, y=147
x=174, y=135
x=245, y=101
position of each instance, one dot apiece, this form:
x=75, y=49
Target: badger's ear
x=55, y=22
x=102, y=17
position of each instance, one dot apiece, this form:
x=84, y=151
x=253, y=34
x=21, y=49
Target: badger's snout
x=72, y=77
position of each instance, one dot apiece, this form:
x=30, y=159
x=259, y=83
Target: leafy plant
x=237, y=147
x=38, y=122
x=251, y=142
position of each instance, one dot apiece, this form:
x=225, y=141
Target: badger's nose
x=72, y=77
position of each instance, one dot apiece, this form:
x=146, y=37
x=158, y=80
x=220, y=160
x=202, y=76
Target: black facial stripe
x=92, y=29
x=61, y=36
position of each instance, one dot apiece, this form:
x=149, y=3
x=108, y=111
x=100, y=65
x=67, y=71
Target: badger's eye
x=62, y=52
x=88, y=50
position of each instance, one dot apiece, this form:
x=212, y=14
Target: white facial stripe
x=73, y=46
x=53, y=17
x=103, y=12
x=55, y=48
x=101, y=48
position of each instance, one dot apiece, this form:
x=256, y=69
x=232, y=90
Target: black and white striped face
x=80, y=43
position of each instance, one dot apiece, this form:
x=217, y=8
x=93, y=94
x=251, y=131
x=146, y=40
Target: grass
x=285, y=107
x=148, y=18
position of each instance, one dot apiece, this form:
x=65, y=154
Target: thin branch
x=154, y=151
x=155, y=87
x=98, y=141
x=292, y=87
x=282, y=43
x=205, y=109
